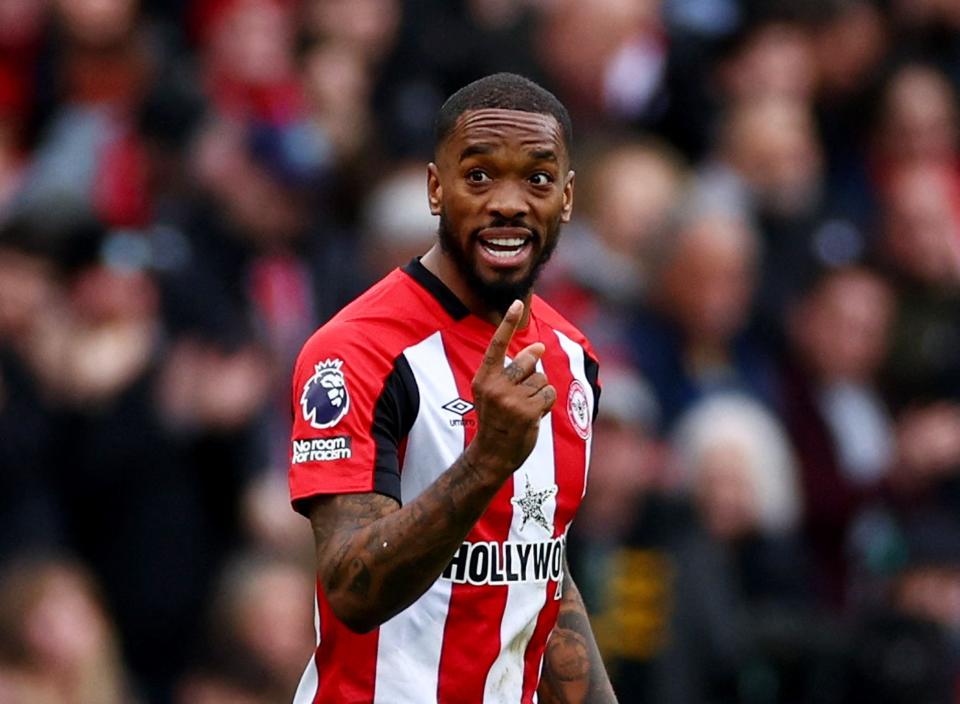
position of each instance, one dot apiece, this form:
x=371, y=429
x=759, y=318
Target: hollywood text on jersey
x=507, y=562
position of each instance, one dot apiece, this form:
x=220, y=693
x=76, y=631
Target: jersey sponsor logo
x=325, y=400
x=459, y=407
x=322, y=449
x=507, y=562
x=578, y=409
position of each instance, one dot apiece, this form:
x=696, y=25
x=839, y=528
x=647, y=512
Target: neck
x=444, y=268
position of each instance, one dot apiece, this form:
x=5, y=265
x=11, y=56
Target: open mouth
x=505, y=245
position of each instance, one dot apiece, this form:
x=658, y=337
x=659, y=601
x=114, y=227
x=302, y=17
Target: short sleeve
x=352, y=407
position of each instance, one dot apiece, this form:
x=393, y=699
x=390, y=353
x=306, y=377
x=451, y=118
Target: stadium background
x=766, y=253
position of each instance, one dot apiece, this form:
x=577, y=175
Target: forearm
x=573, y=671
x=379, y=559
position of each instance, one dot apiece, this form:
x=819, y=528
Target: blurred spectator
x=908, y=649
x=28, y=286
x=232, y=682
x=369, y=27
x=104, y=59
x=922, y=250
x=397, y=222
x=627, y=466
x=627, y=190
x=56, y=639
x=839, y=334
x=607, y=58
x=21, y=31
x=261, y=251
x=768, y=150
x=918, y=121
x=922, y=375
x=442, y=45
x=851, y=40
x=704, y=569
x=928, y=29
x=261, y=614
x=338, y=87
x=624, y=500
x=138, y=491
x=738, y=464
x=770, y=56
x=769, y=163
x=724, y=52
x=691, y=339
x=249, y=63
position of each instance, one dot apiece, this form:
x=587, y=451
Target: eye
x=477, y=176
x=541, y=178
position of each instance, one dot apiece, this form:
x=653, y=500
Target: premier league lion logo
x=325, y=400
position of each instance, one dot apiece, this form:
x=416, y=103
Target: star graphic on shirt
x=531, y=503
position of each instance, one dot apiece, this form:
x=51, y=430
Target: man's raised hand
x=510, y=400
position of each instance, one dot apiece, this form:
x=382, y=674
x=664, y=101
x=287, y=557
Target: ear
x=567, y=210
x=434, y=189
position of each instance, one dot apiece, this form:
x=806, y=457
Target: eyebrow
x=544, y=155
x=483, y=149
x=474, y=150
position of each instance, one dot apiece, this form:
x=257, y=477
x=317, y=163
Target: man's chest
x=539, y=501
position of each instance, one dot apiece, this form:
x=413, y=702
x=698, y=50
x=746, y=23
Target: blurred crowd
x=765, y=252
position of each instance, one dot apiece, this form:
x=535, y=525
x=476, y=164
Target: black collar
x=436, y=288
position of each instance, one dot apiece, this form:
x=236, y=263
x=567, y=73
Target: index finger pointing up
x=497, y=349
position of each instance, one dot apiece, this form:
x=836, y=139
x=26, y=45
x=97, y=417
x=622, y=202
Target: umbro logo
x=459, y=407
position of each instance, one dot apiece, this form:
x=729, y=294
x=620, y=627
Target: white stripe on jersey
x=504, y=682
x=307, y=689
x=578, y=368
x=409, y=647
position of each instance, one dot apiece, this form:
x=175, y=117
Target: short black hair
x=507, y=91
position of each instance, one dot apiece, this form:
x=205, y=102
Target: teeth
x=515, y=245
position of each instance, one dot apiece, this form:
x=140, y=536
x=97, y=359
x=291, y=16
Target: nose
x=508, y=200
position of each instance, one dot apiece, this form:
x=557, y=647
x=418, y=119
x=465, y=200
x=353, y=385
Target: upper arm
x=352, y=404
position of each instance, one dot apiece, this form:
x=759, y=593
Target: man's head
x=501, y=184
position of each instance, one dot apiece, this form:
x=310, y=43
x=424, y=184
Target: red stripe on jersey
x=342, y=679
x=569, y=452
x=474, y=610
x=534, y=652
x=569, y=449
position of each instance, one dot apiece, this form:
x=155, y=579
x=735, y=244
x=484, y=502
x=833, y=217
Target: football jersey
x=382, y=402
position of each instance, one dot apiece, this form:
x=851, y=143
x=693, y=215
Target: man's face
x=502, y=186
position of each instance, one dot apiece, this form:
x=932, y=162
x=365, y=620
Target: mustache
x=518, y=223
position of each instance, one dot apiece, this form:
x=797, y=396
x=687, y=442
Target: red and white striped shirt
x=382, y=402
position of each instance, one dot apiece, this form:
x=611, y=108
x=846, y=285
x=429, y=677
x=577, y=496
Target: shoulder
x=392, y=315
x=546, y=314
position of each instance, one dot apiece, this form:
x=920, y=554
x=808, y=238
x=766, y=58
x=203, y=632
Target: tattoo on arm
x=573, y=672
x=358, y=536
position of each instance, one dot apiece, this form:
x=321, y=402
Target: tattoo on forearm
x=573, y=672
x=360, y=583
x=356, y=534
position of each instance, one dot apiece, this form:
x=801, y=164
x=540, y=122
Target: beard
x=500, y=293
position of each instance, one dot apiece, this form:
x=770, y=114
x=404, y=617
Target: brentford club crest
x=578, y=409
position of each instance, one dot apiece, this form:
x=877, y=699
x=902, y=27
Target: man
x=441, y=439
